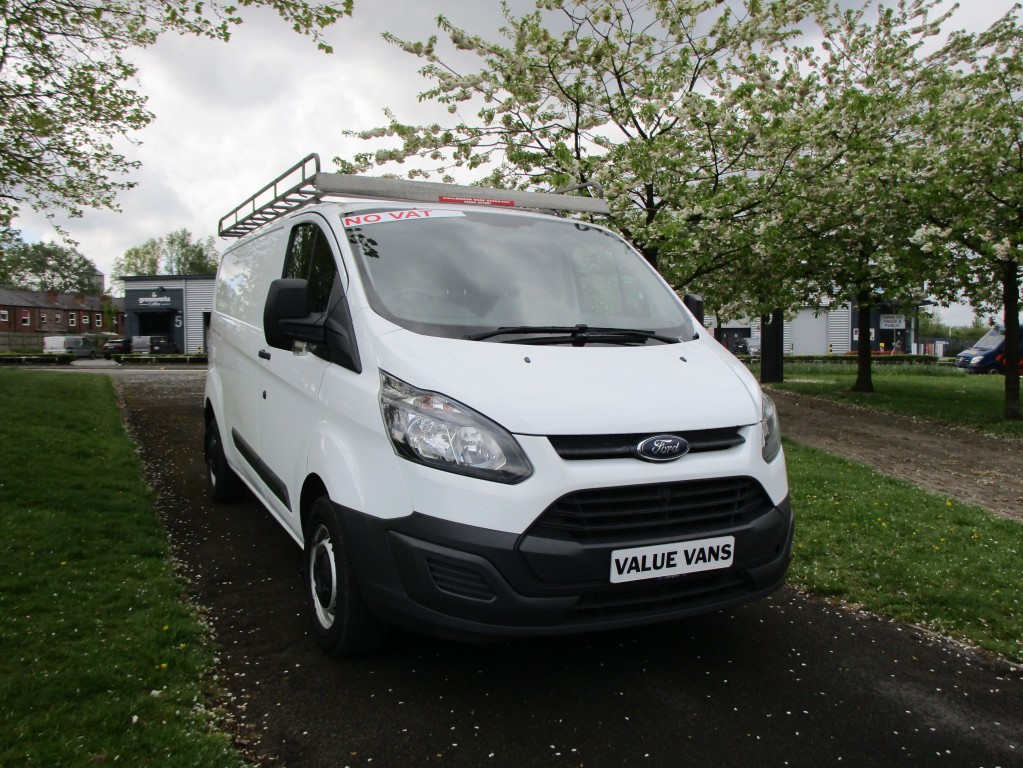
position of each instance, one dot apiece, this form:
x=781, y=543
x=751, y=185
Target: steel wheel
x=342, y=623
x=322, y=570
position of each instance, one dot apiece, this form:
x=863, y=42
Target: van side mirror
x=694, y=303
x=286, y=316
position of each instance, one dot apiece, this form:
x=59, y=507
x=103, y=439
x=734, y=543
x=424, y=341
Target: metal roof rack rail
x=304, y=183
x=274, y=200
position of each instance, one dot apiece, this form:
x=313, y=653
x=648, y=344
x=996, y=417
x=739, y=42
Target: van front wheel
x=342, y=623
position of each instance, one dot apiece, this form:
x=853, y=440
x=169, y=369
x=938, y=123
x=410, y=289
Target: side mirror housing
x=694, y=303
x=286, y=317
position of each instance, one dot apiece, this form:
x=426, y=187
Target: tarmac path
x=791, y=680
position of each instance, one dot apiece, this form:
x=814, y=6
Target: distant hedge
x=851, y=359
x=160, y=359
x=14, y=358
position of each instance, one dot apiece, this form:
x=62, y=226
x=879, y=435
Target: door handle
x=264, y=354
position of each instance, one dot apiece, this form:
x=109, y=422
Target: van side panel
x=236, y=337
x=245, y=276
x=53, y=345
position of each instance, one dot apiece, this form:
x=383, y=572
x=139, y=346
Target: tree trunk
x=650, y=253
x=864, y=361
x=772, y=347
x=1010, y=300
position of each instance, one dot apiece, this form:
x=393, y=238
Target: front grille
x=459, y=580
x=649, y=512
x=661, y=596
x=582, y=447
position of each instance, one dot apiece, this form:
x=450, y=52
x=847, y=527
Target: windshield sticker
x=385, y=217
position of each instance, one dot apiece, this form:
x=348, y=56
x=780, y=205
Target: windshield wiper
x=577, y=335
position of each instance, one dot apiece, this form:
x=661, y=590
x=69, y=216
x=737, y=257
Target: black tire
x=224, y=485
x=342, y=623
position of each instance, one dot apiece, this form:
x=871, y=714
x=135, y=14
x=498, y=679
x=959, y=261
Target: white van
x=480, y=419
x=79, y=346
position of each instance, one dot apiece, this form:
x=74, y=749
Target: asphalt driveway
x=788, y=681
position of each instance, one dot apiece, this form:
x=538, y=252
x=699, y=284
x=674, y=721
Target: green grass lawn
x=874, y=541
x=941, y=393
x=101, y=657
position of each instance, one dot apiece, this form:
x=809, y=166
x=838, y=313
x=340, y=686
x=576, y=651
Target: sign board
x=893, y=322
x=856, y=334
x=150, y=300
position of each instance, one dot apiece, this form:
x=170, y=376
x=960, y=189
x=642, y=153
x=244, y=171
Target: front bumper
x=450, y=578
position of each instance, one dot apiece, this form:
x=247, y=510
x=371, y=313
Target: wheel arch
x=213, y=397
x=312, y=489
x=355, y=468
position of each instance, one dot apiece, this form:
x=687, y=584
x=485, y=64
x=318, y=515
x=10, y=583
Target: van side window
x=309, y=258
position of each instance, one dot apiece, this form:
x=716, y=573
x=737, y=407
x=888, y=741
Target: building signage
x=153, y=300
x=893, y=322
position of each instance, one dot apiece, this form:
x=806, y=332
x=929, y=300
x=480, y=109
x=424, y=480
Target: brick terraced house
x=26, y=315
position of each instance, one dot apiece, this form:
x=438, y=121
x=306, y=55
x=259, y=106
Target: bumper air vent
x=459, y=580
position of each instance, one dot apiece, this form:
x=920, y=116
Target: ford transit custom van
x=482, y=414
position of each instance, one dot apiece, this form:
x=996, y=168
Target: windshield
x=453, y=273
x=991, y=340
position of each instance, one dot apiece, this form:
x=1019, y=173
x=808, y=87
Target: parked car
x=162, y=345
x=116, y=347
x=988, y=354
x=79, y=346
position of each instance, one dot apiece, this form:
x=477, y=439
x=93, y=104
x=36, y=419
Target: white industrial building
x=830, y=330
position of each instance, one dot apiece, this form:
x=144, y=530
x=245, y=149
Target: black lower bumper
x=447, y=578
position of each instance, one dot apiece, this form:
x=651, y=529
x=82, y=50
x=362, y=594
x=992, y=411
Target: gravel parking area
x=958, y=463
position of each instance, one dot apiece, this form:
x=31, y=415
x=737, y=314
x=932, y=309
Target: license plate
x=662, y=560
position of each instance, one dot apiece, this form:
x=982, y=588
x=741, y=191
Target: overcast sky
x=229, y=117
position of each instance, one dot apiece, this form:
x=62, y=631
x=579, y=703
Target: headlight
x=977, y=360
x=439, y=432
x=771, y=430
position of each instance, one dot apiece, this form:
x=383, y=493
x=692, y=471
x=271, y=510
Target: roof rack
x=304, y=183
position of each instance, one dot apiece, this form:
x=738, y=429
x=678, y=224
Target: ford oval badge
x=662, y=448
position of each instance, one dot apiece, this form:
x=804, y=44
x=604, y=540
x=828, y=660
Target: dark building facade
x=177, y=306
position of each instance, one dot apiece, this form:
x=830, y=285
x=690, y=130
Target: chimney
x=51, y=296
x=80, y=298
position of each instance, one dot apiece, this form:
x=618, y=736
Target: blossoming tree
x=667, y=105
x=971, y=150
